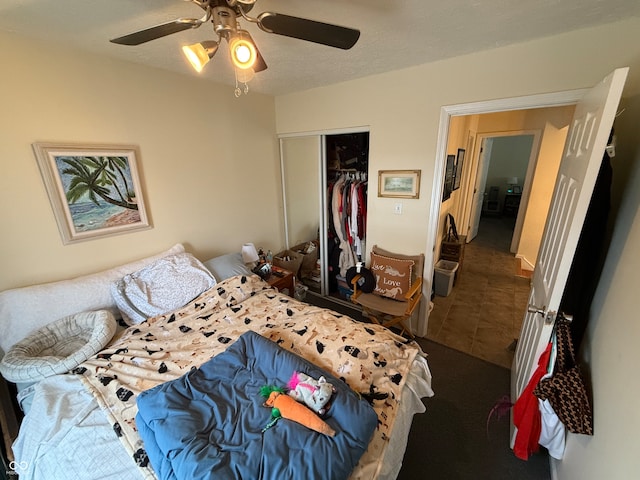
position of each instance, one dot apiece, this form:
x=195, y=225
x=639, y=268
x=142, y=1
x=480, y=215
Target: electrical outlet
x=397, y=209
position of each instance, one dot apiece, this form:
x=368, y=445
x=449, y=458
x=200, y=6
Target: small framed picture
x=449, y=173
x=517, y=189
x=458, y=169
x=399, y=183
x=94, y=190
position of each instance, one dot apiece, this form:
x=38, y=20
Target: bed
x=87, y=423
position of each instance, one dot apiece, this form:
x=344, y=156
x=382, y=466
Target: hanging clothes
x=357, y=217
x=347, y=197
x=552, y=430
x=526, y=412
x=346, y=259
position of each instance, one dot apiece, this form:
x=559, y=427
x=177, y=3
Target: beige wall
x=209, y=162
x=509, y=158
x=458, y=134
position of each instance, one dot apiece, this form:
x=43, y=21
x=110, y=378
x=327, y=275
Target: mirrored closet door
x=301, y=163
x=324, y=180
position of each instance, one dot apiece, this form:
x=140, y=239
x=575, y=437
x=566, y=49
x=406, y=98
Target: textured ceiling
x=394, y=33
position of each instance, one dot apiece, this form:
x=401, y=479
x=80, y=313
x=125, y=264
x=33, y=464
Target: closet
x=324, y=181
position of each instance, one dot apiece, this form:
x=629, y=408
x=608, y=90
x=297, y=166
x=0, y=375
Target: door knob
x=533, y=309
x=548, y=316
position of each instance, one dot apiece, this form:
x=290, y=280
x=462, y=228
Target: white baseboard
x=525, y=264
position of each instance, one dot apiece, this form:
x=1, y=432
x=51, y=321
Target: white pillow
x=23, y=310
x=168, y=283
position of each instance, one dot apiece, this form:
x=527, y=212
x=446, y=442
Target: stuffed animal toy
x=283, y=406
x=315, y=394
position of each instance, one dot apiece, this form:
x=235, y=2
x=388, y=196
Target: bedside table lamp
x=250, y=255
x=512, y=182
x=251, y=258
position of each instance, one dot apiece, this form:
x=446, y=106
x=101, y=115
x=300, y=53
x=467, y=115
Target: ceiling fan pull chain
x=238, y=91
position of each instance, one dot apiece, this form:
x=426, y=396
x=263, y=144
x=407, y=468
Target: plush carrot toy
x=284, y=406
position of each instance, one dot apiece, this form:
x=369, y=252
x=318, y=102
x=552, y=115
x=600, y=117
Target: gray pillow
x=168, y=283
x=226, y=266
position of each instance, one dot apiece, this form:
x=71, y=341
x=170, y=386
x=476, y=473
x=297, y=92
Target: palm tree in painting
x=99, y=177
x=119, y=164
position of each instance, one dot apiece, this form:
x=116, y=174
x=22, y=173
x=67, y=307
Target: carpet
x=451, y=440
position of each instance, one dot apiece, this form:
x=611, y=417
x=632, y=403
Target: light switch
x=397, y=209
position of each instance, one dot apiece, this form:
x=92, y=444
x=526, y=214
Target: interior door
x=583, y=152
x=478, y=192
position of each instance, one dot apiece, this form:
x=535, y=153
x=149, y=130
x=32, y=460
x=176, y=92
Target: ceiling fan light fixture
x=199, y=54
x=243, y=51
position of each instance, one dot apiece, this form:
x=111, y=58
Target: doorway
x=503, y=170
x=483, y=314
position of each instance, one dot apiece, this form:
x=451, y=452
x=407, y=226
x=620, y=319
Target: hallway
x=483, y=313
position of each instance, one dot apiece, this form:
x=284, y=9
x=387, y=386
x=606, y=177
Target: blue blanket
x=208, y=423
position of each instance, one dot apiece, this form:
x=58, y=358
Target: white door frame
x=557, y=99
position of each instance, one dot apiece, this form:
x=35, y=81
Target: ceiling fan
x=224, y=15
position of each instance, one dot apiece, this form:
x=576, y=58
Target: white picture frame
x=94, y=190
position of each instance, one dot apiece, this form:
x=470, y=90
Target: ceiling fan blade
x=260, y=64
x=158, y=31
x=309, y=30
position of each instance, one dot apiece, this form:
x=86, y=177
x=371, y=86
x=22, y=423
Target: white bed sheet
x=67, y=435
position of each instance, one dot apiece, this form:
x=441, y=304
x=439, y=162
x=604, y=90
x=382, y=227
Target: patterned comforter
x=368, y=358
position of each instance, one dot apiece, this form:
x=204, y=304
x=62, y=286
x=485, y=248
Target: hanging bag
x=565, y=389
x=452, y=231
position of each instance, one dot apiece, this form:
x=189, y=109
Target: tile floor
x=483, y=313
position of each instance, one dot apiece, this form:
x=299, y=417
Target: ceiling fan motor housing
x=224, y=21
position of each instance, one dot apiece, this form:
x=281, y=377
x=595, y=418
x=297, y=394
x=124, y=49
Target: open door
x=583, y=152
x=478, y=190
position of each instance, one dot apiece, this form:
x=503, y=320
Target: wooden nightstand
x=511, y=204
x=282, y=280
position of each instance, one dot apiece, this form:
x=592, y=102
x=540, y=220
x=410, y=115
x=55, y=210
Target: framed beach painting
x=94, y=190
x=399, y=183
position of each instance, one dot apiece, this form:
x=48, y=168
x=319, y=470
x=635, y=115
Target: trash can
x=445, y=272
